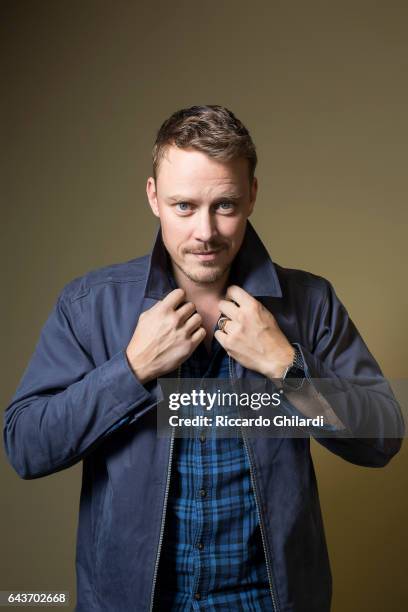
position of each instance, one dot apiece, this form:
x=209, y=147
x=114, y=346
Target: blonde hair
x=212, y=129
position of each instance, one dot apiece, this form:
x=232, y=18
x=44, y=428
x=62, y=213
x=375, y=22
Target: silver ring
x=222, y=321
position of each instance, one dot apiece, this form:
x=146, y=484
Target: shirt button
x=197, y=596
x=202, y=492
x=200, y=546
x=202, y=438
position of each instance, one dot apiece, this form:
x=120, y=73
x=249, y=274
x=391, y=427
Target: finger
x=239, y=295
x=193, y=323
x=198, y=336
x=221, y=338
x=185, y=311
x=229, y=328
x=228, y=308
x=174, y=298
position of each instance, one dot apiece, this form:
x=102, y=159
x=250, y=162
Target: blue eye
x=225, y=205
x=183, y=206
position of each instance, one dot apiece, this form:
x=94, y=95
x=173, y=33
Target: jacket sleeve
x=64, y=405
x=355, y=388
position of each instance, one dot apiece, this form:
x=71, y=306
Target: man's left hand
x=252, y=336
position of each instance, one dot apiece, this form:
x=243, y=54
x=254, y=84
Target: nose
x=205, y=228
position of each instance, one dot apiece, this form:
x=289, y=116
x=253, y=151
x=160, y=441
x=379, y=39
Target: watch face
x=294, y=379
x=295, y=372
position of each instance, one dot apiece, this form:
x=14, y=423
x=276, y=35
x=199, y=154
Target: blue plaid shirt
x=212, y=556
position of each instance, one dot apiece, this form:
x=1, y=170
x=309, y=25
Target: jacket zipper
x=166, y=495
x=255, y=488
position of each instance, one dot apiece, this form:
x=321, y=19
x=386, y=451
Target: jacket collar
x=252, y=269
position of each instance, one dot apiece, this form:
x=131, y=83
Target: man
x=199, y=522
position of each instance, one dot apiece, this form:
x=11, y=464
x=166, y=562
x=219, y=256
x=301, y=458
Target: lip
x=207, y=256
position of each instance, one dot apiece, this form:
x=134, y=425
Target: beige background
x=323, y=89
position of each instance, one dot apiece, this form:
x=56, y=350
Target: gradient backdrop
x=323, y=89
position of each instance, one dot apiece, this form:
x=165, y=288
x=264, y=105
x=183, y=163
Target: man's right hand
x=164, y=337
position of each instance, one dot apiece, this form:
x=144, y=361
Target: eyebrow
x=224, y=196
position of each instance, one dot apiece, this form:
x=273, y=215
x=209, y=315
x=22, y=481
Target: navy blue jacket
x=78, y=387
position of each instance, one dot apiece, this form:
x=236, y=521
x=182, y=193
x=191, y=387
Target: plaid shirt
x=212, y=556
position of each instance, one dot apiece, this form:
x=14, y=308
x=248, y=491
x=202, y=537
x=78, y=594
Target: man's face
x=203, y=205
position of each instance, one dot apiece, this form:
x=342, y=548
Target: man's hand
x=164, y=337
x=252, y=336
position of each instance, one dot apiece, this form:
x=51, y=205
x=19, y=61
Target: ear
x=254, y=191
x=152, y=195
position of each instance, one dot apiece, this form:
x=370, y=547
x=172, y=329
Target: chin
x=204, y=274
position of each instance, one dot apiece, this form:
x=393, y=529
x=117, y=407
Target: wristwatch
x=294, y=375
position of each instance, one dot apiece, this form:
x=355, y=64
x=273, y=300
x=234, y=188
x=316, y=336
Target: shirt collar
x=252, y=269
